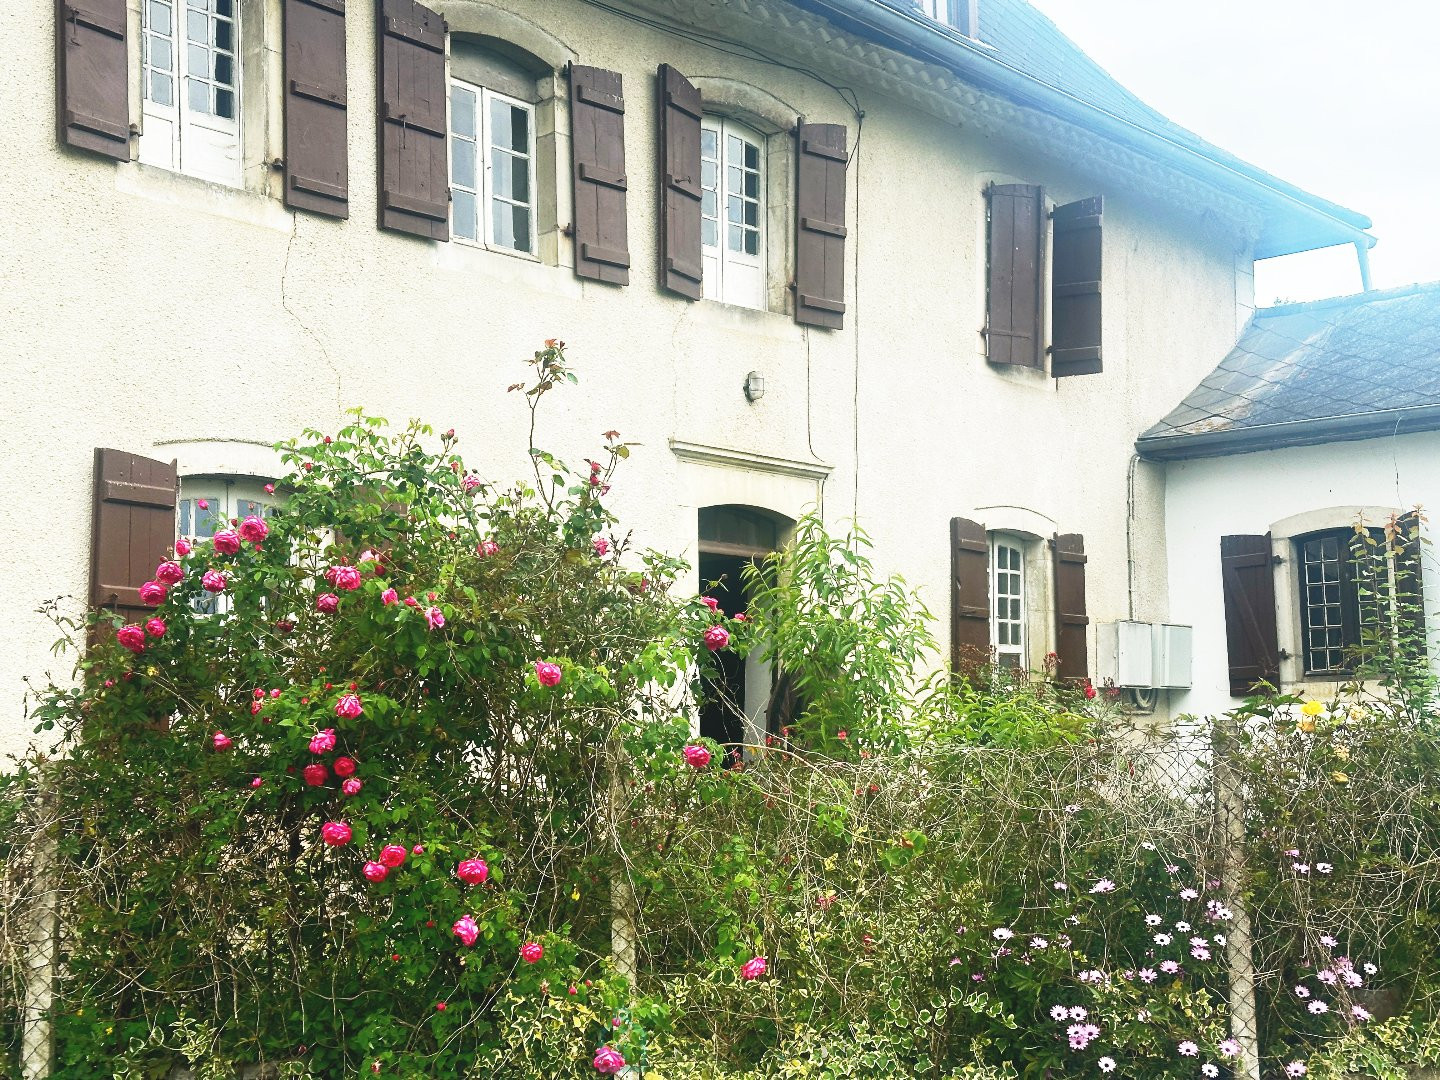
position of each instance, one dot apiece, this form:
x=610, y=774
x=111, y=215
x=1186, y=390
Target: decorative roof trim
x=1315, y=432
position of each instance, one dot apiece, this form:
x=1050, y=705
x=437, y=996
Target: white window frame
x=1015, y=627
x=177, y=136
x=230, y=497
x=733, y=277
x=484, y=189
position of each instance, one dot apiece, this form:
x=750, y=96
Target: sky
x=1341, y=98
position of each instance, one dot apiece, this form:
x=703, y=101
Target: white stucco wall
x=164, y=316
x=1286, y=492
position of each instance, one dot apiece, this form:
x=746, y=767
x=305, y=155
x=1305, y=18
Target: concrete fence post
x=1229, y=793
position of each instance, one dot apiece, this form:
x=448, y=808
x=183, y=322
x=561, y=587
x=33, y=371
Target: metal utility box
x=1172, y=648
x=1126, y=654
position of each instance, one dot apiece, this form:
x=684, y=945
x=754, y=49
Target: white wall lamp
x=754, y=387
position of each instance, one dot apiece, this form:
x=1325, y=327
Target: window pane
x=733, y=148
x=709, y=143
x=225, y=7
x=709, y=174
x=752, y=156
x=737, y=239
x=511, y=176
x=224, y=70
x=752, y=242
x=465, y=222
x=462, y=163
x=510, y=127
x=462, y=111
x=710, y=232
x=162, y=54
x=225, y=103
x=197, y=27
x=732, y=208
x=710, y=204
x=198, y=95
x=512, y=226
x=224, y=35
x=732, y=181
x=160, y=18
x=197, y=61
x=752, y=185
x=752, y=213
x=160, y=89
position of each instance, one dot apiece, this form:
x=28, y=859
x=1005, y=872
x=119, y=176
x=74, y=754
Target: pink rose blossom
x=344, y=578
x=389, y=596
x=327, y=603
x=221, y=741
x=601, y=546
x=169, y=573
x=486, y=548
x=226, y=541
x=269, y=489
x=697, y=757
x=344, y=766
x=315, y=774
x=531, y=952
x=710, y=602
x=351, y=786
x=473, y=872
x=153, y=593
x=608, y=1061
x=182, y=547
x=470, y=483
x=322, y=742
x=466, y=929
x=155, y=627
x=257, y=782
x=335, y=833
x=717, y=637
x=131, y=637
x=753, y=968
x=435, y=618
x=348, y=706
x=204, y=504
x=375, y=872
x=214, y=581
x=392, y=855
x=254, y=529
x=418, y=849
x=549, y=674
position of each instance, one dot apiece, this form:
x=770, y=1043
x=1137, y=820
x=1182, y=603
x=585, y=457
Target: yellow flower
x=1312, y=708
x=1343, y=753
x=1307, y=725
x=1339, y=777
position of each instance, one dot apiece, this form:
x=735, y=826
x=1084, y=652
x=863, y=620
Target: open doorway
x=737, y=700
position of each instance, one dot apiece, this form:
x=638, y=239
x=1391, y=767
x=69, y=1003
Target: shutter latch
x=1277, y=560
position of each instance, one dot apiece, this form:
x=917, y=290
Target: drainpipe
x=1362, y=253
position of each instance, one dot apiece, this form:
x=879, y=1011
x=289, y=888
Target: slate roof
x=1350, y=367
x=1019, y=46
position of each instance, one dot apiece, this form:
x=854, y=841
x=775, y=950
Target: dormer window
x=961, y=14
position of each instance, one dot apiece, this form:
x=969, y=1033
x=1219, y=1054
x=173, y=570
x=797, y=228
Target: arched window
x=732, y=223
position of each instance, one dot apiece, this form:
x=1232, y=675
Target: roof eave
x=1316, y=223
x=1356, y=426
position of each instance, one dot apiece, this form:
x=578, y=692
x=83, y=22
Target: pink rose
x=389, y=596
x=254, y=529
x=182, y=547
x=153, y=593
x=601, y=545
x=697, y=757
x=214, y=581
x=466, y=929
x=531, y=952
x=392, y=855
x=327, y=603
x=322, y=742
x=435, y=617
x=204, y=504
x=226, y=541
x=155, y=627
x=344, y=767
x=471, y=482
x=741, y=617
x=269, y=489
x=131, y=637
x=410, y=601
x=315, y=774
x=549, y=674
x=335, y=833
x=348, y=706
x=473, y=872
x=169, y=573
x=345, y=578
x=717, y=637
x=710, y=602
x=351, y=786
x=753, y=968
x=418, y=849
x=375, y=872
x=486, y=548
x=608, y=1061
x=221, y=741
x=257, y=781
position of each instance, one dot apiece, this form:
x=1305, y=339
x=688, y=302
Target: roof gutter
x=1327, y=429
x=928, y=40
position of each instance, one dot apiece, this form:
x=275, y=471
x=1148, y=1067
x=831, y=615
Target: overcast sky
x=1338, y=96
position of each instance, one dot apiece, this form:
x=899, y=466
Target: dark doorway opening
x=723, y=716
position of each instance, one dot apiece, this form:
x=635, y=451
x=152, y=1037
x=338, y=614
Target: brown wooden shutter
x=93, y=76
x=317, y=172
x=1071, y=618
x=414, y=166
x=1075, y=288
x=1015, y=300
x=969, y=594
x=1410, y=582
x=681, y=265
x=820, y=225
x=1253, y=644
x=597, y=140
x=133, y=528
